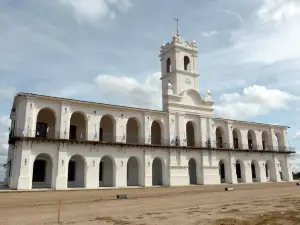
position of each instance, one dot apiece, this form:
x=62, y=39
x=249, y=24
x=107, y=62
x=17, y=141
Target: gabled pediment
x=191, y=97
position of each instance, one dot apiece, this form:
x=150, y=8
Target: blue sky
x=85, y=49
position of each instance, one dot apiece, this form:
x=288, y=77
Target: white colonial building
x=64, y=143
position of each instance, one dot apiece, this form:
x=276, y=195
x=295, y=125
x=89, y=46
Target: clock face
x=188, y=81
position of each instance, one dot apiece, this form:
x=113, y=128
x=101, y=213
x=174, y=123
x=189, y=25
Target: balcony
x=108, y=138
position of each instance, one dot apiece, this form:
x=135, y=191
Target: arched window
x=168, y=65
x=187, y=63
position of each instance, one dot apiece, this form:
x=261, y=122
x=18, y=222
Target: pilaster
x=273, y=140
x=211, y=131
x=148, y=169
x=230, y=174
x=181, y=129
x=230, y=135
x=25, y=168
x=62, y=163
x=121, y=171
x=91, y=168
x=286, y=168
x=258, y=135
x=30, y=117
x=93, y=124
x=262, y=172
x=65, y=116
x=274, y=169
x=203, y=131
x=121, y=129
x=248, y=171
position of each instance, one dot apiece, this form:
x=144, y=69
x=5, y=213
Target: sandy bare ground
x=249, y=204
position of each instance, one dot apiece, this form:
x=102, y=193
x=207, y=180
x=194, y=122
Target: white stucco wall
x=175, y=170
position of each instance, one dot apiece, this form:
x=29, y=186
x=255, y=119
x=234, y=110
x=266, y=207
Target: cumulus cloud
x=297, y=136
x=142, y=94
x=255, y=100
x=274, y=36
x=295, y=161
x=94, y=10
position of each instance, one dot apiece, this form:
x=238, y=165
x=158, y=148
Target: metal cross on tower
x=177, y=31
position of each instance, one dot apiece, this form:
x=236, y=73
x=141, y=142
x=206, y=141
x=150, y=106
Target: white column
x=121, y=172
x=181, y=129
x=121, y=129
x=211, y=131
x=93, y=125
x=244, y=144
x=172, y=133
x=274, y=169
x=230, y=136
x=258, y=135
x=273, y=140
x=148, y=169
x=25, y=166
x=147, y=129
x=62, y=166
x=65, y=116
x=203, y=131
x=286, y=168
x=248, y=171
x=231, y=172
x=30, y=117
x=92, y=173
x=262, y=174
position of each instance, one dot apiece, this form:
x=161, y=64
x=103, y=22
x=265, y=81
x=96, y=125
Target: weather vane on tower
x=177, y=21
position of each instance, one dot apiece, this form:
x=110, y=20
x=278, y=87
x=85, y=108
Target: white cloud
x=94, y=10
x=132, y=92
x=209, y=33
x=255, y=100
x=295, y=161
x=279, y=11
x=232, y=13
x=274, y=36
x=297, y=136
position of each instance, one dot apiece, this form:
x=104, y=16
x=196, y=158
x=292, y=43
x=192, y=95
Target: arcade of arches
x=46, y=123
x=132, y=133
x=42, y=172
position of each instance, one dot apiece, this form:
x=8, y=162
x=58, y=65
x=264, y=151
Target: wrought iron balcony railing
x=136, y=140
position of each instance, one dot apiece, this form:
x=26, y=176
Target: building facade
x=65, y=143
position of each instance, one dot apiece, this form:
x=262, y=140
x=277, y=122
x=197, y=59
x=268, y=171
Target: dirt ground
x=248, y=204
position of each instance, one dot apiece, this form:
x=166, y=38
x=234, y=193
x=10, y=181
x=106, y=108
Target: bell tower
x=179, y=66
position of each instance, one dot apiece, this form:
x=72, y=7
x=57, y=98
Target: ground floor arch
x=107, y=172
x=133, y=172
x=269, y=171
x=42, y=171
x=157, y=172
x=240, y=171
x=222, y=171
x=192, y=171
x=255, y=171
x=76, y=171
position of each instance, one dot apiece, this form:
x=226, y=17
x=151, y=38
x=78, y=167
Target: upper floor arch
x=168, y=65
x=45, y=123
x=186, y=63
